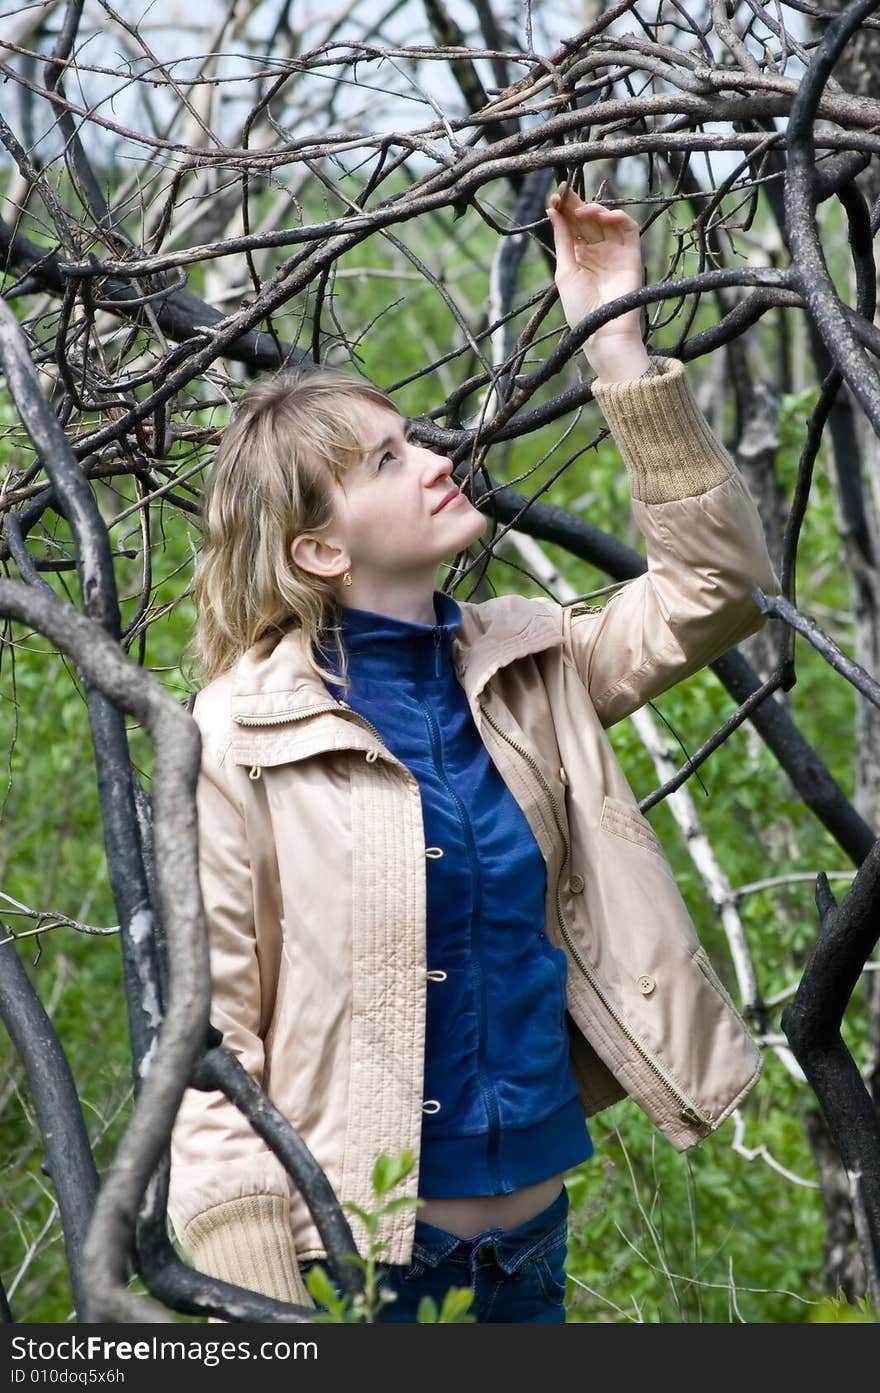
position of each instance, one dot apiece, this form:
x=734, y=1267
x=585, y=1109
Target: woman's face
x=388, y=516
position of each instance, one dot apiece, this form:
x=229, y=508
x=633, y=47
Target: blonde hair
x=270, y=481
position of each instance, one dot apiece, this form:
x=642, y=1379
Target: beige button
x=646, y=984
x=576, y=884
x=562, y=775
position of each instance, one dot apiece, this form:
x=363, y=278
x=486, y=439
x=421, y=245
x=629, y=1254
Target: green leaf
x=388, y=1170
x=456, y=1306
x=427, y=1312
x=362, y=1214
x=320, y=1286
x=401, y=1203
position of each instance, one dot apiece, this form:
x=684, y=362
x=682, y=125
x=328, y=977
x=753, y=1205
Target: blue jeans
x=517, y=1275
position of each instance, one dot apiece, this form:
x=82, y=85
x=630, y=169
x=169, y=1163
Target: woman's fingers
x=563, y=239
x=573, y=236
x=592, y=222
x=598, y=253
x=591, y=227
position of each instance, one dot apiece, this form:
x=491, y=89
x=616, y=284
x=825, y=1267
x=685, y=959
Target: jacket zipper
x=281, y=716
x=688, y=1112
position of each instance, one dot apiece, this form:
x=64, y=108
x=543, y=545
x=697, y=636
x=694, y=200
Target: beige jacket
x=312, y=865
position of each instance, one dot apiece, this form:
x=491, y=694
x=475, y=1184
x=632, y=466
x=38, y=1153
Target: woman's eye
x=384, y=458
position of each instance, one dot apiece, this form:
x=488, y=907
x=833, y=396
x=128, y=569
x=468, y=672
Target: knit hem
x=664, y=439
x=248, y=1242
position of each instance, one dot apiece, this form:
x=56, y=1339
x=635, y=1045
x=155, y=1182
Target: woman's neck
x=413, y=605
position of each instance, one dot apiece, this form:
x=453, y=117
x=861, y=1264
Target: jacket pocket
x=282, y=992
x=625, y=820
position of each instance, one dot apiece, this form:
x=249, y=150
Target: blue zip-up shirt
x=501, y=1104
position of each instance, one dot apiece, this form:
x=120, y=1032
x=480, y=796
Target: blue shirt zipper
x=489, y=1099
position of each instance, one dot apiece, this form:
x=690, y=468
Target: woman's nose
x=441, y=465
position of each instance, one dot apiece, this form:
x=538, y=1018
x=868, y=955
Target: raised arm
x=704, y=538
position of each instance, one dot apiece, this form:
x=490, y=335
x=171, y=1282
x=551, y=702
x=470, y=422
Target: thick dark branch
x=53, y=1091
x=75, y=500
x=177, y=749
x=810, y=272
x=125, y=862
x=179, y=314
x=219, y=1069
x=845, y=441
x=848, y=933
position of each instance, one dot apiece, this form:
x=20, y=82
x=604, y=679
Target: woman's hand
x=599, y=258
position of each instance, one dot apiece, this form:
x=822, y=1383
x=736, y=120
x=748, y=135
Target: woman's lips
x=451, y=501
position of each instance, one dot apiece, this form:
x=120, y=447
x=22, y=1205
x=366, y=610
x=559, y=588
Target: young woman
x=438, y=919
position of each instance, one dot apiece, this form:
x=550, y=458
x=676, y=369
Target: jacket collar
x=272, y=680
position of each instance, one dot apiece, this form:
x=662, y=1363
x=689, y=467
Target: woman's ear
x=319, y=556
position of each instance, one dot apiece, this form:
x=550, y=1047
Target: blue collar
x=380, y=646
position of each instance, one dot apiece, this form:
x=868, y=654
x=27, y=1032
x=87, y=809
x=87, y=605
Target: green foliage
x=656, y=1236
x=836, y=1310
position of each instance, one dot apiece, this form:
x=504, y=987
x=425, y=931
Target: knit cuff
x=664, y=438
x=249, y=1242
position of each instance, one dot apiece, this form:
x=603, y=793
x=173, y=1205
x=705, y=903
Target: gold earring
x=346, y=579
